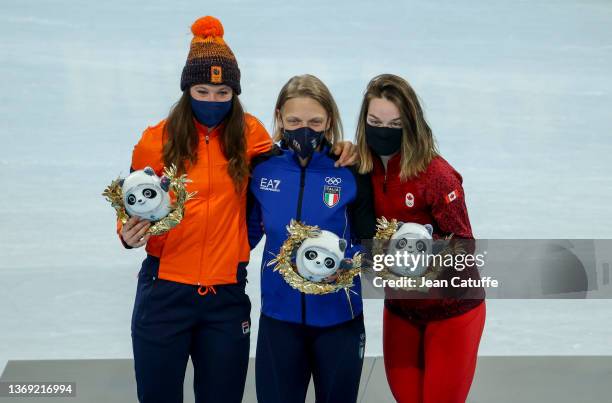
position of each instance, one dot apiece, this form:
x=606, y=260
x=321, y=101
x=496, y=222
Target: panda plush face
x=410, y=245
x=320, y=261
x=146, y=195
x=411, y=239
x=320, y=257
x=144, y=198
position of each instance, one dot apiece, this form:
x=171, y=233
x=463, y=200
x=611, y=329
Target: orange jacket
x=208, y=245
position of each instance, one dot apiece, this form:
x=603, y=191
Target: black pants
x=288, y=354
x=171, y=322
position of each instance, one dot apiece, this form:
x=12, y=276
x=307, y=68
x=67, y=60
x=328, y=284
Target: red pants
x=432, y=363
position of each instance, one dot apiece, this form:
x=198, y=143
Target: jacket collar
x=316, y=158
x=392, y=164
x=204, y=130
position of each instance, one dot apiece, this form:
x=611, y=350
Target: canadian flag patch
x=452, y=196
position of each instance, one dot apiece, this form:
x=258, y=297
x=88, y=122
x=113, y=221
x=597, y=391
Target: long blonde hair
x=418, y=146
x=309, y=86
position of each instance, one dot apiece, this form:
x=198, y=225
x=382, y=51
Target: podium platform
x=498, y=379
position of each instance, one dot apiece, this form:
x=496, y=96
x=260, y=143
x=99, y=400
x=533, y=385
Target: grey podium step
x=498, y=379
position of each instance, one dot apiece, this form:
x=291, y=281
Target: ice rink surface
x=515, y=91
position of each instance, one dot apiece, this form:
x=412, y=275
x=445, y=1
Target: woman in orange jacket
x=190, y=298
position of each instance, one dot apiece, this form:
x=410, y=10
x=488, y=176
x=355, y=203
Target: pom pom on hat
x=207, y=26
x=210, y=59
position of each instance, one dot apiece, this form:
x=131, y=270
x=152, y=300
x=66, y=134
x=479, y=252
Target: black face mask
x=383, y=140
x=304, y=141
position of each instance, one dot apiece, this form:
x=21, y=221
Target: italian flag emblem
x=331, y=195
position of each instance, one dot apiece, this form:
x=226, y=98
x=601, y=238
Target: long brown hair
x=418, y=146
x=181, y=139
x=309, y=86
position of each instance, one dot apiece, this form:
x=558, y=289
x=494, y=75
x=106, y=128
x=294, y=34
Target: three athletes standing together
x=191, y=300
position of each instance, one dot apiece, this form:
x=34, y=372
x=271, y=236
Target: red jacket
x=434, y=197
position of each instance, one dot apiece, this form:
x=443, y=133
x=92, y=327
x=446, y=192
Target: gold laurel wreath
x=298, y=232
x=384, y=231
x=114, y=195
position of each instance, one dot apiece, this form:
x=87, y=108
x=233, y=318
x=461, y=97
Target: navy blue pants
x=171, y=322
x=288, y=354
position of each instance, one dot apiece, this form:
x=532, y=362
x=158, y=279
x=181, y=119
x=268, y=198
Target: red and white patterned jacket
x=434, y=197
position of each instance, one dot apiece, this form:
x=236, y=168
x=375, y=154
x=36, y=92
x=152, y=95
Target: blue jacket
x=335, y=199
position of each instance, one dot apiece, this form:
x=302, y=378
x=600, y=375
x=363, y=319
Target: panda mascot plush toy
x=320, y=257
x=410, y=240
x=146, y=195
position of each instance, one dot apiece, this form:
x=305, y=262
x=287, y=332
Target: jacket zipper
x=384, y=186
x=207, y=207
x=385, y=166
x=298, y=217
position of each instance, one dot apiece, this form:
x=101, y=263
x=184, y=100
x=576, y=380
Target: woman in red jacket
x=430, y=345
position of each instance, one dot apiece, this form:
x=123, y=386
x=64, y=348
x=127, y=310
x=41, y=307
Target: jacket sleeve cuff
x=125, y=245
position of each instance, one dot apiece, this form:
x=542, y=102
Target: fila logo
x=409, y=200
x=246, y=327
x=271, y=185
x=452, y=196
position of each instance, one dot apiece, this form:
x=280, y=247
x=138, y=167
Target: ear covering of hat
x=210, y=60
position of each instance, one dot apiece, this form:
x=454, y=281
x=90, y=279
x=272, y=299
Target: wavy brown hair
x=418, y=146
x=181, y=140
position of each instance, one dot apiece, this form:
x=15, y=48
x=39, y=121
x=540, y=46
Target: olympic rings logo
x=330, y=180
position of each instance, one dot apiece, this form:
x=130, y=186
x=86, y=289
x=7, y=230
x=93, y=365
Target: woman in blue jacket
x=304, y=335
